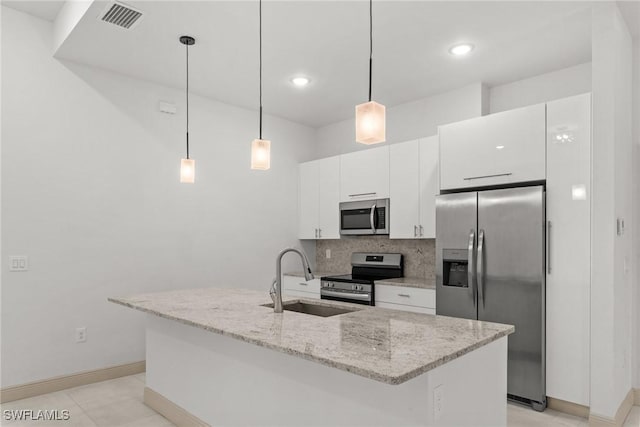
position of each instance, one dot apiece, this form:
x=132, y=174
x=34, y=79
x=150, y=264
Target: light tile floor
x=118, y=403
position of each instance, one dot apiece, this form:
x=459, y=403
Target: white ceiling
x=328, y=41
x=42, y=9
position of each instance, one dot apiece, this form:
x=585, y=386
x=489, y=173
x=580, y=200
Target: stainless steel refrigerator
x=490, y=261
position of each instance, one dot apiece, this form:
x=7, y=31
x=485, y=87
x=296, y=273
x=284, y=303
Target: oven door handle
x=360, y=297
x=372, y=218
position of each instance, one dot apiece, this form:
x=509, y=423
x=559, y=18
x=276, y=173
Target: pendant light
x=370, y=116
x=187, y=166
x=260, y=148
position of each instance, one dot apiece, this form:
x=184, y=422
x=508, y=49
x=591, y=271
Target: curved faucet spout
x=308, y=275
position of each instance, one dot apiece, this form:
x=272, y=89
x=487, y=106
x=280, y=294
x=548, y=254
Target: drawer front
x=288, y=293
x=406, y=296
x=295, y=283
x=401, y=307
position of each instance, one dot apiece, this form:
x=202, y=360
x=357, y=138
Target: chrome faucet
x=276, y=286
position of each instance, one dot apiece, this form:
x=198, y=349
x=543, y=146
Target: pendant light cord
x=187, y=45
x=260, y=30
x=370, y=44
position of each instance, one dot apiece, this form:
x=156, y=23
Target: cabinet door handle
x=404, y=295
x=362, y=194
x=303, y=284
x=421, y=231
x=415, y=231
x=549, y=247
x=316, y=233
x=320, y=233
x=487, y=176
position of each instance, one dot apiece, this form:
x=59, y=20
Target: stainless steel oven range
x=358, y=287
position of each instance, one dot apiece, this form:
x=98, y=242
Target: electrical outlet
x=18, y=263
x=81, y=335
x=327, y=253
x=438, y=402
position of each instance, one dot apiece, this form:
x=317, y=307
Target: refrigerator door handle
x=480, y=267
x=471, y=266
x=549, y=247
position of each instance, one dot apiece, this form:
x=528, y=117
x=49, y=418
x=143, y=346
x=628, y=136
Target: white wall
x=90, y=193
x=611, y=284
x=636, y=207
x=543, y=88
x=406, y=121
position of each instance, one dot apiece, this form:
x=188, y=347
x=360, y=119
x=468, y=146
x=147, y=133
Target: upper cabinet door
x=429, y=186
x=308, y=200
x=364, y=175
x=568, y=248
x=501, y=148
x=404, y=190
x=329, y=198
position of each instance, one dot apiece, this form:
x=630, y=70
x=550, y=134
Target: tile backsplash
x=419, y=255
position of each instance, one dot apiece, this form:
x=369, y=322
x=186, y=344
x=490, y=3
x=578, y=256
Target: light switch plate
x=18, y=263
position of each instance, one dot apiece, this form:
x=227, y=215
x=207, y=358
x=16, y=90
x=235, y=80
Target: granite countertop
x=409, y=282
x=389, y=346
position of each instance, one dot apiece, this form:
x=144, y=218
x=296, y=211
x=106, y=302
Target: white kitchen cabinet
x=413, y=186
x=298, y=287
x=568, y=248
x=404, y=190
x=364, y=175
x=404, y=298
x=429, y=186
x=498, y=149
x=308, y=191
x=318, y=215
x=329, y=198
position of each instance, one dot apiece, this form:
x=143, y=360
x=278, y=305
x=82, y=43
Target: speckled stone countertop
x=409, y=282
x=389, y=346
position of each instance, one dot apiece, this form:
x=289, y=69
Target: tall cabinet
x=319, y=194
x=568, y=248
x=413, y=186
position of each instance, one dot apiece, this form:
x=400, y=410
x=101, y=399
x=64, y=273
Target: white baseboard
x=51, y=385
x=621, y=413
x=170, y=410
x=567, y=407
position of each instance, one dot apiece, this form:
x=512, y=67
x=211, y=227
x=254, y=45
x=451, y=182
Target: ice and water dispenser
x=455, y=263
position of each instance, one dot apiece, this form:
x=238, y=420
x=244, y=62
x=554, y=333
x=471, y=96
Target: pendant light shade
x=260, y=154
x=187, y=166
x=260, y=148
x=370, y=123
x=370, y=116
x=187, y=171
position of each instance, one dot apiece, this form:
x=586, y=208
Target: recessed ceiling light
x=461, y=49
x=300, y=81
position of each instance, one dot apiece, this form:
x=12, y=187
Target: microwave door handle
x=372, y=218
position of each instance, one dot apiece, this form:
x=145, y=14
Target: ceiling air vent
x=121, y=15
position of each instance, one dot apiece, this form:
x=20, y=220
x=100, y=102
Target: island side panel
x=225, y=381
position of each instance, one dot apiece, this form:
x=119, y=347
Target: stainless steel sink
x=314, y=309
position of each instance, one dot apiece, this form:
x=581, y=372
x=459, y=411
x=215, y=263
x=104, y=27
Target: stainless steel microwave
x=364, y=217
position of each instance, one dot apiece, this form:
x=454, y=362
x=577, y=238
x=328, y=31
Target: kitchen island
x=221, y=357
